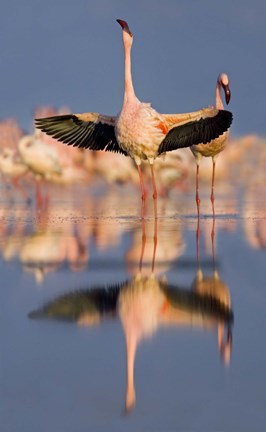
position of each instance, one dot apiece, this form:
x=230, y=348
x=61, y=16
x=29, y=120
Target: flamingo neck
x=129, y=89
x=131, y=342
x=218, y=96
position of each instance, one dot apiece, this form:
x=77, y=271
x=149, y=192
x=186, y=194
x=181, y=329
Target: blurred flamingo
x=138, y=131
x=114, y=168
x=10, y=133
x=12, y=167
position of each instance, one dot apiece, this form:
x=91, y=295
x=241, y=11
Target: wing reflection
x=145, y=303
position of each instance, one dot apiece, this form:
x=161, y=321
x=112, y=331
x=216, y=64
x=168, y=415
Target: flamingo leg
x=131, y=346
x=197, y=189
x=224, y=344
x=213, y=244
x=213, y=179
x=143, y=243
x=21, y=189
x=143, y=192
x=154, y=245
x=198, y=242
x=38, y=196
x=154, y=191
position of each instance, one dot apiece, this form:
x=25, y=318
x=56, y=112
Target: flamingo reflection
x=213, y=287
x=53, y=243
x=143, y=304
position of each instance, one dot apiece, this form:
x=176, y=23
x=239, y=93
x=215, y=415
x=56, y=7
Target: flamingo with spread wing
x=138, y=131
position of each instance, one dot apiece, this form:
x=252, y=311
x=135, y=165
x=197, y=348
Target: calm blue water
x=194, y=329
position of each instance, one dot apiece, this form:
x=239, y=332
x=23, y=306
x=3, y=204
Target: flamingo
x=12, y=168
x=213, y=287
x=138, y=131
x=143, y=304
x=214, y=147
x=41, y=159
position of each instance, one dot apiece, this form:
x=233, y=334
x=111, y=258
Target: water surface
x=87, y=294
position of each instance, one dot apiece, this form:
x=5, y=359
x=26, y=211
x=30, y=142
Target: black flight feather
x=73, y=305
x=71, y=130
x=205, y=305
x=196, y=132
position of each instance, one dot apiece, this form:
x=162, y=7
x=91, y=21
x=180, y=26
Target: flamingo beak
x=124, y=26
x=227, y=93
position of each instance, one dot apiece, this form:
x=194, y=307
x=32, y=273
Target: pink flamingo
x=214, y=147
x=138, y=130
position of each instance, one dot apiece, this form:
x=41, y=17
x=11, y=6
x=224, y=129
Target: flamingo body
x=41, y=158
x=10, y=165
x=137, y=131
x=211, y=149
x=215, y=146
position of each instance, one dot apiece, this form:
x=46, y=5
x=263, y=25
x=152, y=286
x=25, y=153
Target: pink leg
x=197, y=189
x=17, y=184
x=198, y=241
x=213, y=242
x=143, y=192
x=213, y=178
x=154, y=244
x=131, y=345
x=39, y=198
x=143, y=243
x=154, y=191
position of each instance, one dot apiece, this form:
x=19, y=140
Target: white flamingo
x=12, y=168
x=214, y=147
x=42, y=160
x=138, y=130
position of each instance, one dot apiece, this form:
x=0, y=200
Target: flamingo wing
x=90, y=130
x=76, y=304
x=194, y=128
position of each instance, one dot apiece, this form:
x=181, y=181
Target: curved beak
x=227, y=93
x=124, y=26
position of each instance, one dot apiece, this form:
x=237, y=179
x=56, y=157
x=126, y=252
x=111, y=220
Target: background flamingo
x=213, y=148
x=11, y=166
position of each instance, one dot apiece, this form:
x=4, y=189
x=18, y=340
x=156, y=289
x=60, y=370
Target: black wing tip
x=70, y=129
x=69, y=306
x=196, y=132
x=36, y=314
x=200, y=303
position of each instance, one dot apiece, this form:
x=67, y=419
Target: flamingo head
x=6, y=153
x=224, y=82
x=127, y=34
x=25, y=143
